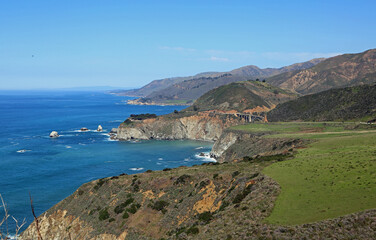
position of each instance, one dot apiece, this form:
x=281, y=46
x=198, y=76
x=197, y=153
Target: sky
x=62, y=44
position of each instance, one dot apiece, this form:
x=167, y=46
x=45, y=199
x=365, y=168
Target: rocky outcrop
x=54, y=134
x=99, y=129
x=84, y=129
x=201, y=126
x=235, y=145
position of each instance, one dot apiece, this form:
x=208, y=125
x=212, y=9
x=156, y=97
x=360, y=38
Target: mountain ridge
x=335, y=72
x=186, y=90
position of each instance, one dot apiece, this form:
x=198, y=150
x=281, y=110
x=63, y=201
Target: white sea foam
x=206, y=157
x=199, y=147
x=136, y=169
x=114, y=121
x=23, y=151
x=67, y=146
x=160, y=159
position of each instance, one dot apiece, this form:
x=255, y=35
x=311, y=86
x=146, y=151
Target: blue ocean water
x=52, y=169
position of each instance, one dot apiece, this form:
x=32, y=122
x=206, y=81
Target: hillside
x=349, y=103
x=186, y=90
x=241, y=96
x=340, y=71
x=157, y=85
x=255, y=197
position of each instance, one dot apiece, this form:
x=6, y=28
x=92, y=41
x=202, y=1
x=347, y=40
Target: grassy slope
x=334, y=176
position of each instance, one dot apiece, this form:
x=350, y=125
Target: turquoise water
x=52, y=169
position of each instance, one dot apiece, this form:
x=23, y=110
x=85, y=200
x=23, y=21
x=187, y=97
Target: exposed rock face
x=202, y=126
x=234, y=145
x=99, y=129
x=54, y=134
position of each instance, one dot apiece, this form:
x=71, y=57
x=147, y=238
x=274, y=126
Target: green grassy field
x=334, y=176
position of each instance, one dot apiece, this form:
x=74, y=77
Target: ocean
x=52, y=169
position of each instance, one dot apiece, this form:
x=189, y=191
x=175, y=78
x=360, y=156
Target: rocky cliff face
x=235, y=145
x=205, y=126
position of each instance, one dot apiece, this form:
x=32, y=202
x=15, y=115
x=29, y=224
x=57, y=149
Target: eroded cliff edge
x=207, y=126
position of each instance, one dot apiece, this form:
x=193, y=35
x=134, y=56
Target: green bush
x=205, y=216
x=182, y=179
x=132, y=209
x=240, y=196
x=159, y=205
x=193, y=230
x=103, y=214
x=125, y=215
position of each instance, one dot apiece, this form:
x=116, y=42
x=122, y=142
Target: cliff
x=206, y=126
x=234, y=145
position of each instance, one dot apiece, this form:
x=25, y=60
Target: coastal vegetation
x=344, y=104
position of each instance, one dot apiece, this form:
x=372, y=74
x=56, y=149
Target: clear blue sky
x=56, y=44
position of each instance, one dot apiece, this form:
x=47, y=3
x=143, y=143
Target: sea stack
x=84, y=129
x=54, y=134
x=99, y=129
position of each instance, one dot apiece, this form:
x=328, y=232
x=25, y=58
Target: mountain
x=241, y=96
x=340, y=71
x=254, y=71
x=349, y=103
x=186, y=91
x=160, y=84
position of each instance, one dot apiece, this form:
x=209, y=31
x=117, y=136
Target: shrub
x=205, y=216
x=166, y=169
x=240, y=196
x=125, y=215
x=132, y=209
x=111, y=220
x=120, y=208
x=103, y=214
x=182, y=179
x=224, y=205
x=236, y=173
x=159, y=205
x=215, y=175
x=99, y=183
x=193, y=230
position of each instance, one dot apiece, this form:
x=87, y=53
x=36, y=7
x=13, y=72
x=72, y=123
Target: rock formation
x=84, y=129
x=54, y=134
x=99, y=129
x=205, y=126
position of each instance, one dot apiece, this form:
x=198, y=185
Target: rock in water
x=84, y=129
x=54, y=134
x=99, y=129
